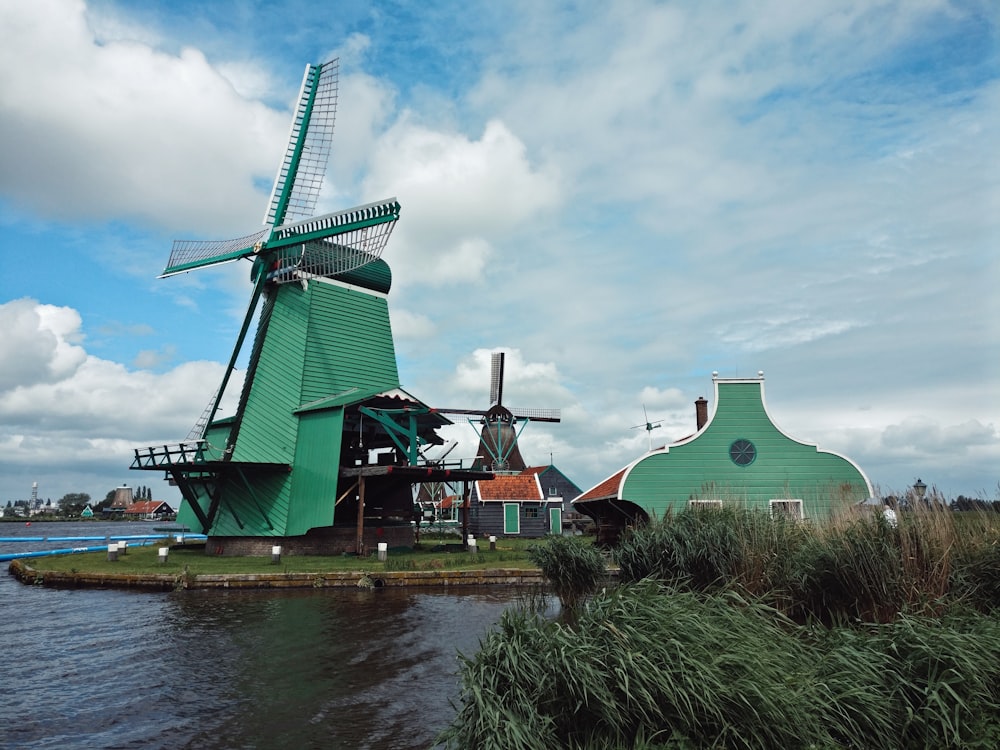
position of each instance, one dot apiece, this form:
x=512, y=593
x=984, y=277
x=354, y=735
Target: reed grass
x=574, y=567
x=651, y=666
x=854, y=568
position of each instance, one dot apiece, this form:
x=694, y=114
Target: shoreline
x=30, y=576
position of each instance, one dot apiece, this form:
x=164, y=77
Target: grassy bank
x=192, y=560
x=736, y=630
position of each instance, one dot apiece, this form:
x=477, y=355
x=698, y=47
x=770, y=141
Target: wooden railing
x=159, y=456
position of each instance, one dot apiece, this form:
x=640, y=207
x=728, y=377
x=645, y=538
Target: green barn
x=736, y=456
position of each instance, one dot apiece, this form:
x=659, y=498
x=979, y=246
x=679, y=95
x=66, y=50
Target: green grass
x=510, y=553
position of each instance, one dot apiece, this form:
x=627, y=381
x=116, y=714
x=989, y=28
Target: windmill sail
x=300, y=176
x=296, y=188
x=496, y=379
x=186, y=255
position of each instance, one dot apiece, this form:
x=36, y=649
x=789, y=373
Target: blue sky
x=624, y=196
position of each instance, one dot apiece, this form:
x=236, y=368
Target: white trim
x=788, y=504
x=345, y=285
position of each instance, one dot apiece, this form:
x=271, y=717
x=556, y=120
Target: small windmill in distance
x=649, y=426
x=498, y=450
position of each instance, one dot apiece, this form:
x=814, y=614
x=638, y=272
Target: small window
x=553, y=492
x=742, y=452
x=699, y=504
x=530, y=512
x=791, y=509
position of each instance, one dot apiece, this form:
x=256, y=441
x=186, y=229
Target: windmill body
x=321, y=391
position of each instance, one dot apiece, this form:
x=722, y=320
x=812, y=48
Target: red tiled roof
x=510, y=487
x=145, y=507
x=607, y=488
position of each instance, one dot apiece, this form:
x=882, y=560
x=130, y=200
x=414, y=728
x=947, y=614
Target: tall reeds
x=853, y=568
x=650, y=666
x=732, y=629
x=574, y=568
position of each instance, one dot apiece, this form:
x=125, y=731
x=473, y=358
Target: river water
x=207, y=670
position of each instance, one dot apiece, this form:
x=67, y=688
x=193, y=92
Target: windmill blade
x=353, y=227
x=332, y=244
x=448, y=448
x=300, y=177
x=186, y=255
x=496, y=379
x=537, y=415
x=649, y=426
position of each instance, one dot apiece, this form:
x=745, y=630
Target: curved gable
x=740, y=455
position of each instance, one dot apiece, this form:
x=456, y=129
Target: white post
x=123, y=547
x=113, y=552
x=383, y=551
x=493, y=544
x=472, y=544
x=276, y=554
x=164, y=552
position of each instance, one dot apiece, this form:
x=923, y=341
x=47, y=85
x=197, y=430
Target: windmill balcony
x=160, y=456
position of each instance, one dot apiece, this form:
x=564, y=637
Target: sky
x=624, y=197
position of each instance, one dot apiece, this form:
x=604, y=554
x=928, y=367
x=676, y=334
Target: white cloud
x=458, y=196
x=61, y=408
x=126, y=130
x=38, y=343
x=410, y=325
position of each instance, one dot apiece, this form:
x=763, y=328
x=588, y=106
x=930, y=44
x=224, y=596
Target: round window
x=742, y=452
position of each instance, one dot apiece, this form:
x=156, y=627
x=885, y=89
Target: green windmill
x=321, y=396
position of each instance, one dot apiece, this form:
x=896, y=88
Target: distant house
x=736, y=456
x=156, y=510
x=529, y=503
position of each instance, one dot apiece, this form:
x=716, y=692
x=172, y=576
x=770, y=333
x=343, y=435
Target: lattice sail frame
x=188, y=254
x=366, y=231
x=306, y=158
x=298, y=183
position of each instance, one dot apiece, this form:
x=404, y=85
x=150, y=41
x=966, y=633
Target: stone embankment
x=21, y=570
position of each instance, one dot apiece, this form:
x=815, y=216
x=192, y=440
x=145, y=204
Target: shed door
x=511, y=518
x=555, y=520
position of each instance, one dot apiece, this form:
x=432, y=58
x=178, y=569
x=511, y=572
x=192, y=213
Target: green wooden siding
x=314, y=479
x=268, y=429
x=349, y=343
x=320, y=341
x=701, y=468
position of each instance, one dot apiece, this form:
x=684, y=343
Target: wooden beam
x=361, y=516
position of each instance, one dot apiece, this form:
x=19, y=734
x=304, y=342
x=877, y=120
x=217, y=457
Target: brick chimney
x=700, y=412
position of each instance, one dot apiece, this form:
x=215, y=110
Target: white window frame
x=717, y=504
x=785, y=504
